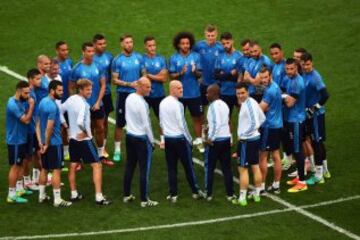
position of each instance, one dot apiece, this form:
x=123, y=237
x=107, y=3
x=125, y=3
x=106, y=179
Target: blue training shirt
x=91, y=72
x=295, y=86
x=65, y=73
x=48, y=110
x=43, y=90
x=104, y=63
x=189, y=80
x=226, y=63
x=154, y=65
x=272, y=96
x=16, y=131
x=253, y=66
x=313, y=85
x=208, y=54
x=278, y=72
x=129, y=69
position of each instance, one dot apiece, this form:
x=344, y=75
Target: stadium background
x=328, y=29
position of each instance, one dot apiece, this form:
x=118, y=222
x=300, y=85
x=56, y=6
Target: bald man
x=139, y=142
x=218, y=143
x=177, y=141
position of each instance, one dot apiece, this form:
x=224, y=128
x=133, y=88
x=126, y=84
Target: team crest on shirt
x=233, y=61
x=178, y=63
x=216, y=53
x=157, y=64
x=136, y=62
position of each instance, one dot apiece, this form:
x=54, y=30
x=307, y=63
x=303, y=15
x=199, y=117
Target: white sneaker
x=32, y=186
x=199, y=145
x=62, y=203
x=129, y=198
x=149, y=203
x=172, y=199
x=46, y=198
x=293, y=174
x=199, y=195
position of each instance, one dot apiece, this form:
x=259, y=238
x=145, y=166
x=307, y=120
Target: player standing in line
x=270, y=130
x=256, y=62
x=66, y=64
x=316, y=97
x=227, y=72
x=250, y=119
x=245, y=49
x=156, y=71
x=126, y=68
x=185, y=66
x=218, y=143
x=43, y=65
x=33, y=154
x=103, y=59
x=82, y=147
x=18, y=116
x=177, y=142
x=48, y=132
x=139, y=142
x=209, y=49
x=87, y=68
x=293, y=88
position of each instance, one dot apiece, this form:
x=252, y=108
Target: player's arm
x=38, y=132
x=48, y=133
x=160, y=77
x=26, y=117
x=143, y=114
x=248, y=78
x=101, y=93
x=324, y=96
x=264, y=106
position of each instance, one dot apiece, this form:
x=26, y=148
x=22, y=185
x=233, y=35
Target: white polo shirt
x=218, y=120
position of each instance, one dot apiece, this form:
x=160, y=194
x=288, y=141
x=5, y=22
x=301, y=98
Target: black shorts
x=154, y=103
x=32, y=144
x=248, y=152
x=98, y=114
x=270, y=139
x=83, y=150
x=17, y=153
x=120, y=109
x=294, y=136
x=194, y=104
x=53, y=158
x=231, y=101
x=317, y=128
x=108, y=104
x=203, y=89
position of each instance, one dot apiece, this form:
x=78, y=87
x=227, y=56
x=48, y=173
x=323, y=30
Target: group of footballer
x=62, y=111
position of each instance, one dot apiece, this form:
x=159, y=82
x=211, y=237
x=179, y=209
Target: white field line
x=271, y=196
x=182, y=224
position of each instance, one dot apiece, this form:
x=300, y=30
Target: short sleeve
x=172, y=65
x=16, y=110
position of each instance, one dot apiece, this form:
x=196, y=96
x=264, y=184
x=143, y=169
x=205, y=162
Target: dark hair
x=32, y=73
x=148, y=38
x=210, y=28
x=300, y=50
x=97, y=37
x=54, y=61
x=275, y=45
x=182, y=35
x=242, y=85
x=245, y=41
x=290, y=61
x=54, y=84
x=22, y=84
x=265, y=69
x=85, y=45
x=59, y=43
x=226, y=36
x=124, y=36
x=306, y=57
x=254, y=43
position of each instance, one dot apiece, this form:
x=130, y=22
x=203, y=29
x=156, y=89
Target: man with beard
x=256, y=62
x=18, y=116
x=209, y=49
x=103, y=59
x=126, y=68
x=227, y=71
x=185, y=66
x=87, y=68
x=48, y=130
